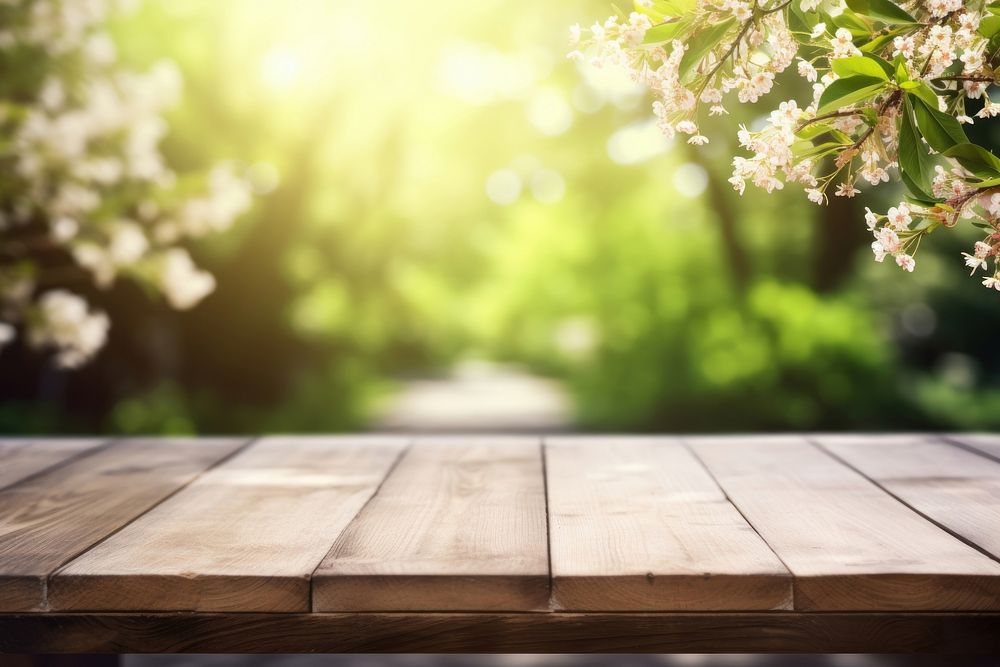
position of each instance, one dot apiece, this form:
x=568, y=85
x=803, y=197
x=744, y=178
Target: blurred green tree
x=430, y=187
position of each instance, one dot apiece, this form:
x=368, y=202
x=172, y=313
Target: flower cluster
x=892, y=84
x=88, y=195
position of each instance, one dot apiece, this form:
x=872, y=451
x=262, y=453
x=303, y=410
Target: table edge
x=519, y=632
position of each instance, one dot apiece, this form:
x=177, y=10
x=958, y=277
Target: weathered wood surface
x=985, y=443
x=851, y=546
x=49, y=519
x=459, y=524
x=955, y=488
x=245, y=536
x=502, y=544
x=23, y=457
x=639, y=525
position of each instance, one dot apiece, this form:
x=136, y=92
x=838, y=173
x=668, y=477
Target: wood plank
x=24, y=457
x=955, y=488
x=458, y=525
x=850, y=546
x=49, y=519
x=244, y=537
x=637, y=524
x=987, y=443
x=691, y=632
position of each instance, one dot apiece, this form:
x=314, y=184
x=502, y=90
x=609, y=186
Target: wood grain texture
x=49, y=519
x=697, y=632
x=986, y=443
x=24, y=457
x=458, y=525
x=850, y=545
x=245, y=536
x=637, y=524
x=956, y=488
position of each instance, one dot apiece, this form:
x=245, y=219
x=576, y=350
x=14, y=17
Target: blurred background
x=455, y=228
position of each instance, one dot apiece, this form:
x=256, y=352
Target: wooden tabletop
x=481, y=543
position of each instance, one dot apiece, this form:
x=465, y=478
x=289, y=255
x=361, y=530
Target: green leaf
x=664, y=32
x=924, y=200
x=920, y=90
x=886, y=66
x=702, y=43
x=882, y=40
x=675, y=7
x=851, y=22
x=663, y=10
x=989, y=26
x=863, y=66
x=902, y=74
x=976, y=159
x=799, y=21
x=988, y=183
x=847, y=91
x=915, y=164
x=941, y=130
x=813, y=130
x=954, y=69
x=882, y=10
x=806, y=149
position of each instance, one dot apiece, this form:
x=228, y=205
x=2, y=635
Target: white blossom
x=806, y=70
x=65, y=324
x=7, y=334
x=801, y=143
x=183, y=284
x=85, y=168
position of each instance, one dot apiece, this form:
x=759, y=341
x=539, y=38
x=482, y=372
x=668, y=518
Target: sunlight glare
x=637, y=142
x=504, y=186
x=690, y=180
x=281, y=67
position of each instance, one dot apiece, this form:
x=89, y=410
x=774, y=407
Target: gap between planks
x=818, y=441
x=791, y=594
x=47, y=519
x=543, y=444
x=638, y=524
x=48, y=579
x=395, y=463
x=84, y=447
x=459, y=525
x=245, y=536
x=849, y=544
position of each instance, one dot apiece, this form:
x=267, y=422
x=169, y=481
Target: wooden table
x=836, y=543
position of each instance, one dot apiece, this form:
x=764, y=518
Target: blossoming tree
x=892, y=85
x=86, y=194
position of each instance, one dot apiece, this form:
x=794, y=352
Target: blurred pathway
x=478, y=397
